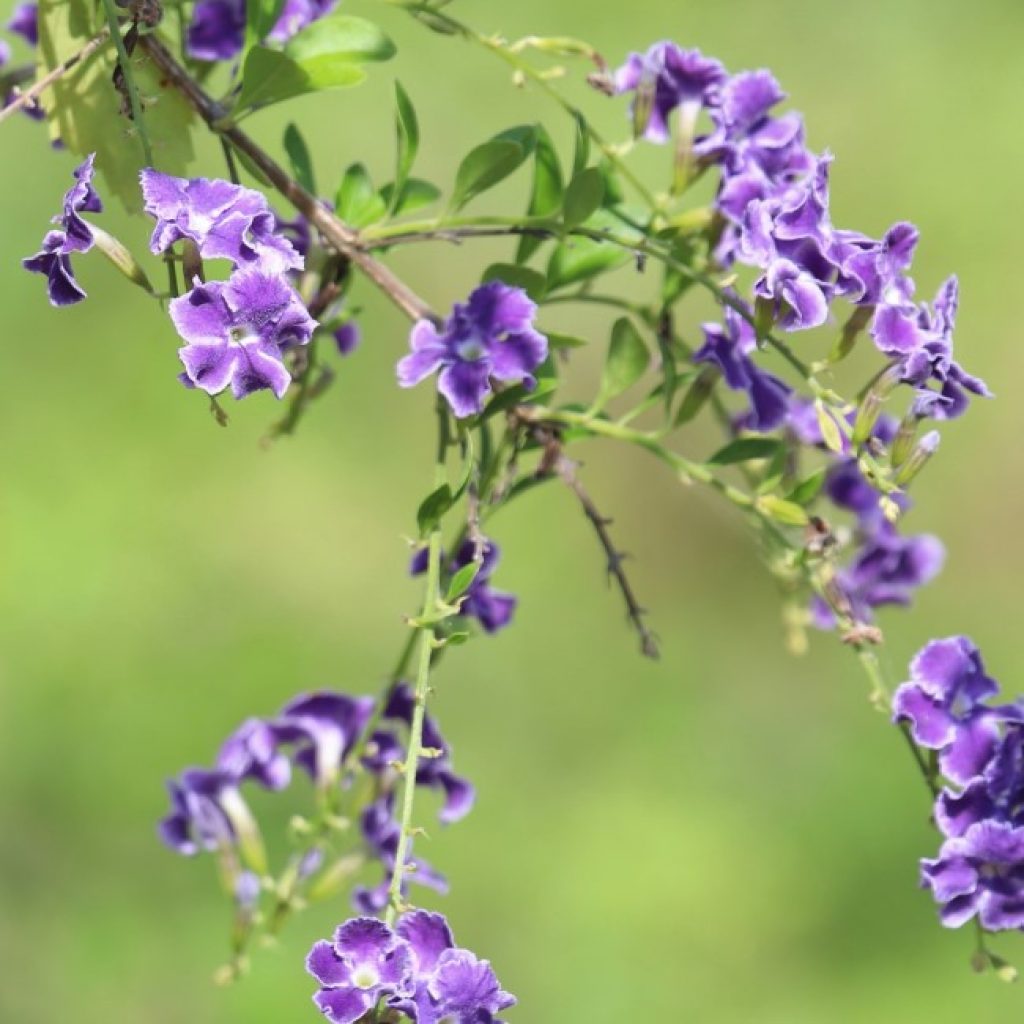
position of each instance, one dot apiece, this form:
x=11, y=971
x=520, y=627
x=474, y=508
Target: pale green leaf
x=84, y=108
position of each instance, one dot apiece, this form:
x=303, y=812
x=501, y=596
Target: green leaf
x=299, y=159
x=613, y=193
x=830, y=431
x=562, y=341
x=408, y=133
x=626, y=362
x=84, y=109
x=357, y=202
x=416, y=194
x=433, y=507
x=583, y=196
x=546, y=193
x=343, y=36
x=271, y=76
x=807, y=490
x=581, y=259
x=518, y=394
x=743, y=449
x=461, y=582
x=260, y=17
x=581, y=149
x=490, y=163
x=532, y=282
x=781, y=510
x=696, y=396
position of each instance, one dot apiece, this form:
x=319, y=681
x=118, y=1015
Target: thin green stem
x=525, y=70
x=427, y=640
x=110, y=10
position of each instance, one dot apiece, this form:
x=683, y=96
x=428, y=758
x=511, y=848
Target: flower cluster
x=490, y=337
x=336, y=740
x=415, y=969
x=493, y=609
x=217, y=29
x=236, y=331
x=979, y=871
x=74, y=234
x=773, y=202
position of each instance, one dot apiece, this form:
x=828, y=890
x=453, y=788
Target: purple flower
x=235, y=332
x=944, y=705
x=490, y=335
x=252, y=752
x=25, y=23
x=873, y=273
x=322, y=728
x=800, y=300
x=73, y=235
x=217, y=31
x=449, y=983
x=729, y=348
x=980, y=873
x=664, y=79
x=224, y=220
x=888, y=568
x=347, y=337
x=365, y=962
x=199, y=818
x=930, y=360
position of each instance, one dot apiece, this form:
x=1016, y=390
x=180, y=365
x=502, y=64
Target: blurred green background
x=729, y=835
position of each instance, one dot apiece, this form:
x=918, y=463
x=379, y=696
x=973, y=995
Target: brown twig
x=339, y=234
x=30, y=94
x=554, y=462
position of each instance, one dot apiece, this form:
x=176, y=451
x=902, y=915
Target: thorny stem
x=339, y=234
x=30, y=94
x=566, y=470
x=428, y=639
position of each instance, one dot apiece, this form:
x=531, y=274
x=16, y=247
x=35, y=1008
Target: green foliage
x=260, y=18
x=329, y=54
x=271, y=76
x=531, y=281
x=299, y=159
x=416, y=194
x=490, y=163
x=357, y=202
x=83, y=108
x=461, y=582
x=626, y=362
x=408, y=139
x=546, y=192
x=744, y=449
x=583, y=197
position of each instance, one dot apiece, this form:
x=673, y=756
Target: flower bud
x=643, y=106
x=903, y=443
x=871, y=406
x=926, y=448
